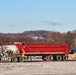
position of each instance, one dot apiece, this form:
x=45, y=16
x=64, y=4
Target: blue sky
x=23, y=15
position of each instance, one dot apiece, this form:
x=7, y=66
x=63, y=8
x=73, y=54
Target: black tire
x=22, y=59
x=44, y=58
x=14, y=59
x=65, y=58
x=18, y=58
x=59, y=58
x=51, y=57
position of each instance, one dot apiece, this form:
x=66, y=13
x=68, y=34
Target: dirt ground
x=39, y=68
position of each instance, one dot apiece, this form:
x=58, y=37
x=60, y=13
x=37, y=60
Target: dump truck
x=48, y=52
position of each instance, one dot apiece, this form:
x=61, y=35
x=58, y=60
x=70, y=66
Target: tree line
x=48, y=37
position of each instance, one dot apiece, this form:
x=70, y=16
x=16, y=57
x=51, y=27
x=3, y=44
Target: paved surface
x=39, y=68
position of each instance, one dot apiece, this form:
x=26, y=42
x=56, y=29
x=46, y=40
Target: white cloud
x=52, y=23
x=12, y=25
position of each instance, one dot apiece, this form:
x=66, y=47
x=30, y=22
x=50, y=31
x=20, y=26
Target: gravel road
x=39, y=68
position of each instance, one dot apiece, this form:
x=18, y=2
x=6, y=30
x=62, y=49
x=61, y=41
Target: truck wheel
x=58, y=57
x=51, y=57
x=18, y=59
x=14, y=59
x=21, y=59
x=44, y=58
x=65, y=58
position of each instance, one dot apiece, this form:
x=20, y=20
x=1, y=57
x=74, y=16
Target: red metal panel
x=43, y=48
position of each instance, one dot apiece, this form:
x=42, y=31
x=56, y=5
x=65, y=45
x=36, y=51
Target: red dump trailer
x=47, y=51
